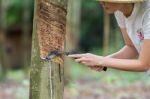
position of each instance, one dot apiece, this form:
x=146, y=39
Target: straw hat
x=121, y=1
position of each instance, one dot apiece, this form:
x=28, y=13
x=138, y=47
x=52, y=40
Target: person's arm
x=141, y=64
x=128, y=51
x=121, y=60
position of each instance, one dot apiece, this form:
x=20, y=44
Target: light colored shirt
x=137, y=25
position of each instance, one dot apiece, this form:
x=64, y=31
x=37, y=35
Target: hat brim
x=121, y=1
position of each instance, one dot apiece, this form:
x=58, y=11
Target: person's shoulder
x=118, y=14
x=145, y=5
x=120, y=19
x=145, y=9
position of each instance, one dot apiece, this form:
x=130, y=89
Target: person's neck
x=127, y=9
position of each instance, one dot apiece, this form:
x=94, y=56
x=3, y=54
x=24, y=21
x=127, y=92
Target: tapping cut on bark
x=51, y=27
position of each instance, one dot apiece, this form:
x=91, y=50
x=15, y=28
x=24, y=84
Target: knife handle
x=105, y=69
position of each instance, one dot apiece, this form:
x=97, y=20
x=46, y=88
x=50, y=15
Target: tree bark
x=47, y=78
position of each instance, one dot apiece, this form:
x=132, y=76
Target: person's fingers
x=79, y=60
x=75, y=55
x=96, y=68
x=93, y=67
x=82, y=59
x=99, y=69
x=83, y=63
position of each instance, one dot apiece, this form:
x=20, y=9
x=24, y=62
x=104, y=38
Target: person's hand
x=97, y=68
x=90, y=60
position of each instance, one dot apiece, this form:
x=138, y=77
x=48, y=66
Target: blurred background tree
x=14, y=26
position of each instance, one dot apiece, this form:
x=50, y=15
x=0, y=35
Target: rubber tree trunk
x=47, y=78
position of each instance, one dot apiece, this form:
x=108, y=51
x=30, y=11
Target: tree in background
x=106, y=34
x=91, y=35
x=49, y=34
x=72, y=34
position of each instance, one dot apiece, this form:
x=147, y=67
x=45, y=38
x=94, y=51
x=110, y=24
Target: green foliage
x=91, y=25
x=14, y=15
x=15, y=10
x=92, y=28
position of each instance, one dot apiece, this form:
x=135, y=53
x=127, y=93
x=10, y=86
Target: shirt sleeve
x=146, y=25
x=120, y=19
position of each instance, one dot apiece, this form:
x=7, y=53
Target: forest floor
x=85, y=84
x=94, y=89
x=10, y=89
x=84, y=88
